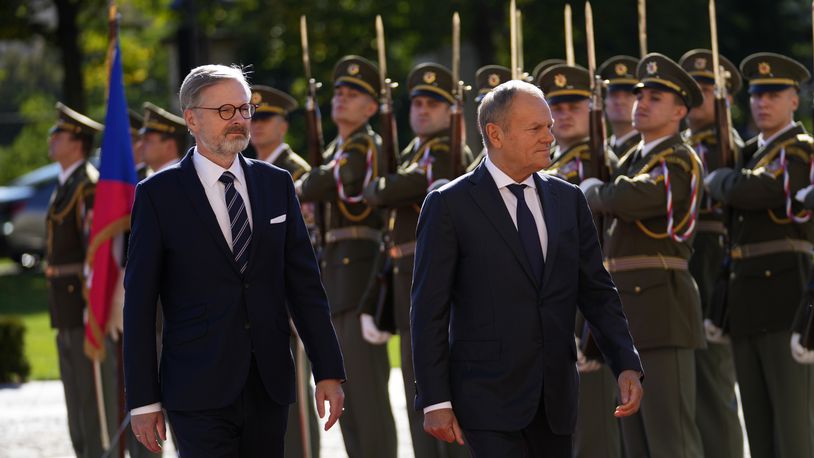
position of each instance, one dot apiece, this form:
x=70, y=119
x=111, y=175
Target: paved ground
x=33, y=422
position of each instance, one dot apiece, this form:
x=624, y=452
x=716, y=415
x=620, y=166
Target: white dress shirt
x=209, y=172
x=65, y=173
x=535, y=206
x=276, y=153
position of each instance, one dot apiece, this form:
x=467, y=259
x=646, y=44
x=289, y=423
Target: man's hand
x=371, y=333
x=145, y=427
x=330, y=390
x=585, y=365
x=714, y=334
x=443, y=425
x=630, y=389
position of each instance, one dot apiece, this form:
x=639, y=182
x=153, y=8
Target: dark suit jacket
x=486, y=335
x=214, y=317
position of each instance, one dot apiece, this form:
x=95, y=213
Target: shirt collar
x=761, y=141
x=647, y=147
x=276, y=153
x=64, y=174
x=502, y=180
x=209, y=172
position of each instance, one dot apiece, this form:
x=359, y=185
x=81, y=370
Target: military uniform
x=352, y=238
x=716, y=403
x=68, y=226
x=597, y=431
x=421, y=166
x=771, y=265
x=652, y=202
x=136, y=121
x=273, y=102
x=618, y=74
x=487, y=78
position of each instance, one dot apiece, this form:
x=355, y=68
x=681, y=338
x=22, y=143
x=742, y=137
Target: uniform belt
x=353, y=233
x=716, y=227
x=627, y=263
x=64, y=270
x=751, y=250
x=402, y=250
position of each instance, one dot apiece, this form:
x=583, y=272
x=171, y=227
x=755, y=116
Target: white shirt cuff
x=154, y=407
x=589, y=183
x=439, y=406
x=802, y=193
x=708, y=179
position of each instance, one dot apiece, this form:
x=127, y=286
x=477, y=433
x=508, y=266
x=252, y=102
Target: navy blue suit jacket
x=486, y=335
x=214, y=317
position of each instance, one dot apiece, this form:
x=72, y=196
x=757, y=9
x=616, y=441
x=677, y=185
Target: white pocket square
x=278, y=220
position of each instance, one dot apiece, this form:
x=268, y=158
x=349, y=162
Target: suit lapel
x=258, y=206
x=551, y=215
x=195, y=192
x=487, y=197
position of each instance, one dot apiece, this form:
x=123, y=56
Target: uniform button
x=246, y=325
x=345, y=261
x=395, y=270
x=637, y=289
x=732, y=276
x=767, y=273
x=740, y=219
x=70, y=288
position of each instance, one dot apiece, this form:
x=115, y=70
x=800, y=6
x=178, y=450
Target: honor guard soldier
x=423, y=165
x=136, y=122
x=568, y=90
x=164, y=138
x=716, y=404
x=652, y=202
x=771, y=260
x=487, y=78
x=618, y=73
x=268, y=130
x=543, y=66
x=68, y=227
x=352, y=239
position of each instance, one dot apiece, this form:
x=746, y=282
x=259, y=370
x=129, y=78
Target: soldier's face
x=268, y=131
x=704, y=114
x=156, y=150
x=64, y=148
x=657, y=112
x=619, y=106
x=215, y=135
x=522, y=146
x=773, y=110
x=571, y=121
x=428, y=115
x=351, y=107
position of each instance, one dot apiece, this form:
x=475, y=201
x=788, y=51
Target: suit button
x=70, y=288
x=246, y=325
x=345, y=261
x=246, y=285
x=637, y=289
x=767, y=273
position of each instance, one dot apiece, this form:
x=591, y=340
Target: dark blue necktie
x=239, y=219
x=527, y=229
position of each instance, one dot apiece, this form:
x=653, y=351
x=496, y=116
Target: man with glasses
x=353, y=234
x=220, y=241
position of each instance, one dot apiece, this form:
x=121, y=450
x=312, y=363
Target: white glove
x=584, y=364
x=589, y=183
x=800, y=196
x=714, y=333
x=370, y=332
x=800, y=353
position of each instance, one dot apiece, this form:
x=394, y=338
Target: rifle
x=457, y=112
x=569, y=36
x=718, y=310
x=313, y=126
x=597, y=116
x=387, y=120
x=642, y=9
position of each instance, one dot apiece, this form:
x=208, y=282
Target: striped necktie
x=239, y=219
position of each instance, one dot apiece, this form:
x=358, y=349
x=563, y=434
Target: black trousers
x=252, y=426
x=534, y=441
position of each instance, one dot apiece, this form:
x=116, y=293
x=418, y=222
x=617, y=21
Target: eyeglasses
x=227, y=112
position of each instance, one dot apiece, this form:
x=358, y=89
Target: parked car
x=23, y=208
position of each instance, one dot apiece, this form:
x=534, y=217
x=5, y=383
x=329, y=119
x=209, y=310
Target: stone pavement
x=33, y=422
